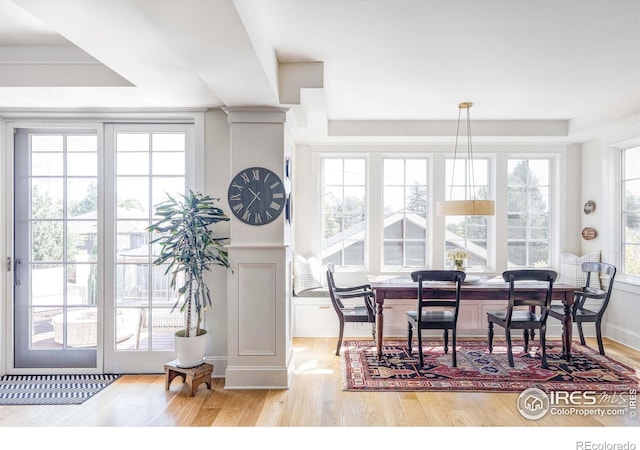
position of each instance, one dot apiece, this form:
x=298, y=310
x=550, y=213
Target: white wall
x=600, y=164
x=217, y=178
x=593, y=159
x=586, y=176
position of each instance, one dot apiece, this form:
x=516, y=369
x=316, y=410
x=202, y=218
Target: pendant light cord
x=469, y=172
x=455, y=154
x=470, y=156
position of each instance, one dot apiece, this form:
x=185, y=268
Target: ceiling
x=382, y=60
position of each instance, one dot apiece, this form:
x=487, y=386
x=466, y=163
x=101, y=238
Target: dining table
x=474, y=288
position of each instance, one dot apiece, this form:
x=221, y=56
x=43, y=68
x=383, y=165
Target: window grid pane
x=63, y=240
x=631, y=211
x=149, y=165
x=343, y=214
x=528, y=218
x=467, y=180
x=405, y=212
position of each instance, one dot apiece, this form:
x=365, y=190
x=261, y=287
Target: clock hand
x=255, y=197
x=251, y=202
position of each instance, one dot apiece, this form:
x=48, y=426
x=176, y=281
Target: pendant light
x=468, y=206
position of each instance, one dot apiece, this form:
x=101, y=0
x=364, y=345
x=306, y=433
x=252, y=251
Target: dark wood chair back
x=543, y=301
x=362, y=311
x=331, y=284
x=435, y=313
x=606, y=274
x=590, y=303
x=527, y=319
x=453, y=276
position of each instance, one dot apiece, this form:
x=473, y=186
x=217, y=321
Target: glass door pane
x=56, y=249
x=150, y=164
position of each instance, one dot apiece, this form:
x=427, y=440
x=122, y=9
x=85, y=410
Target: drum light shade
x=466, y=207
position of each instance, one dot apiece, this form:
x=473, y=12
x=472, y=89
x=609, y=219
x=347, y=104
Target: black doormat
x=51, y=389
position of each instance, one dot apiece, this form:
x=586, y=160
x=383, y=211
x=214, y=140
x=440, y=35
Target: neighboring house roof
x=130, y=221
x=356, y=233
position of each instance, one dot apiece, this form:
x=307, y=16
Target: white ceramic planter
x=190, y=351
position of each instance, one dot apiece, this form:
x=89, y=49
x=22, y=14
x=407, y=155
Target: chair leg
x=490, y=337
x=581, y=333
x=599, y=337
x=340, y=338
x=409, y=337
x=446, y=341
x=454, y=351
x=420, y=346
x=525, y=333
x=543, y=344
x=509, y=349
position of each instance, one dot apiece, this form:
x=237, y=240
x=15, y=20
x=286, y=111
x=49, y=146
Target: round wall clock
x=256, y=196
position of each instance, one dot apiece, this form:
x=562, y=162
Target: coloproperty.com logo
x=534, y=403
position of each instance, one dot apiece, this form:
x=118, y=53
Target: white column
x=260, y=354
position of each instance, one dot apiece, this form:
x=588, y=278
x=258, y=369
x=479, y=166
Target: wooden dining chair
x=534, y=317
x=598, y=300
x=435, y=313
x=363, y=311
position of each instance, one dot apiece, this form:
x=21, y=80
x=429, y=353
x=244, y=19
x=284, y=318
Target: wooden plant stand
x=193, y=376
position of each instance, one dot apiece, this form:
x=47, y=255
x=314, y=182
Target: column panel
x=256, y=307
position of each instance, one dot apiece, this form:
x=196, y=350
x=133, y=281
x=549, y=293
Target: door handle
x=16, y=280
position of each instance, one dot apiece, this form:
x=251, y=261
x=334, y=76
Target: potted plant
x=189, y=249
x=458, y=257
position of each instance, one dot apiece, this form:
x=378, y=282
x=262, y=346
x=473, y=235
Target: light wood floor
x=315, y=399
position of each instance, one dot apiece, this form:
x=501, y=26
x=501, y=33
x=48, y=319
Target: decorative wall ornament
x=589, y=206
x=589, y=233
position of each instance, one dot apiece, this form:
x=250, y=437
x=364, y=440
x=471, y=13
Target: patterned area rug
x=51, y=389
x=481, y=371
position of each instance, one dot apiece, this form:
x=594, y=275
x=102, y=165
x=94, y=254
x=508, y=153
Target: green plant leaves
x=188, y=247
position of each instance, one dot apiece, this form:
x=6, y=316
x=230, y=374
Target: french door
x=55, y=265
x=87, y=296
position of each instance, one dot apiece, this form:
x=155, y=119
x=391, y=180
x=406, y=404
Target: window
x=405, y=213
x=57, y=240
x=343, y=211
x=150, y=164
x=528, y=197
x=374, y=209
x=631, y=211
x=467, y=232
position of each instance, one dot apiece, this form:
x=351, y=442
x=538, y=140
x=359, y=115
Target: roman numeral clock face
x=256, y=196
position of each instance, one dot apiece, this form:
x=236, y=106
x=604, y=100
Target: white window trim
x=76, y=120
x=613, y=210
x=378, y=213
x=553, y=211
x=316, y=246
x=498, y=156
x=491, y=220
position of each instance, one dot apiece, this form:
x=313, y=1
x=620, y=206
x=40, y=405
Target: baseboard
x=622, y=336
x=219, y=365
x=256, y=377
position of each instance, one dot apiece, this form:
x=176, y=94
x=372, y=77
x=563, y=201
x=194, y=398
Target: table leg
x=567, y=329
x=379, y=323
